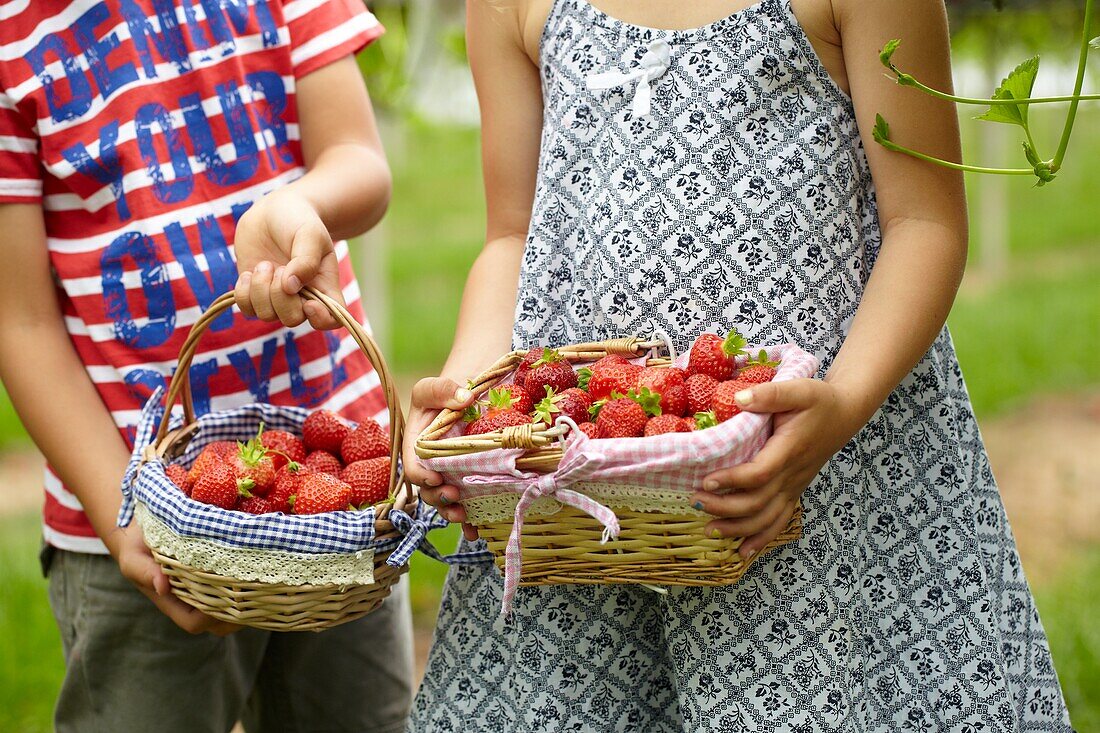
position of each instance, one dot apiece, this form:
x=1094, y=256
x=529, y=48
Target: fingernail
x=245, y=278
x=710, y=485
x=263, y=268
x=744, y=397
x=294, y=283
x=698, y=505
x=716, y=534
x=433, y=481
x=747, y=555
x=444, y=500
x=463, y=394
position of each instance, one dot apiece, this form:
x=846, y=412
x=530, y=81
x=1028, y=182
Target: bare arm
x=510, y=98
x=62, y=411
x=285, y=240
x=922, y=210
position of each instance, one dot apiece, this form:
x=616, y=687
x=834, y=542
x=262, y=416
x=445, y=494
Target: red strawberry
x=178, y=475
x=666, y=424
x=550, y=371
x=283, y=447
x=621, y=418
x=324, y=430
x=287, y=480
x=715, y=356
x=758, y=370
x=256, y=505
x=320, y=493
x=255, y=470
x=368, y=440
x=723, y=403
x=525, y=365
x=590, y=429
x=497, y=420
x=573, y=403
x=216, y=452
x=607, y=361
x=369, y=481
x=613, y=378
x=669, y=383
x=322, y=461
x=511, y=397
x=700, y=388
x=218, y=486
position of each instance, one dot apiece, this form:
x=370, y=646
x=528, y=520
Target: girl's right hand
x=429, y=396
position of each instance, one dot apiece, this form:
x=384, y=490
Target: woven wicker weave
x=277, y=606
x=653, y=548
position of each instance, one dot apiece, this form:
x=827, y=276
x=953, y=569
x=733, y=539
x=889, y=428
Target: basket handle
x=180, y=385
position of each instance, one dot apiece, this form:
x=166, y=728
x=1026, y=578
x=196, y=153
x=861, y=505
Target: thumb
x=776, y=396
x=435, y=393
x=308, y=250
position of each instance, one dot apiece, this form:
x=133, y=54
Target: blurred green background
x=1025, y=323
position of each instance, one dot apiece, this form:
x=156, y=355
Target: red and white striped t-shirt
x=145, y=128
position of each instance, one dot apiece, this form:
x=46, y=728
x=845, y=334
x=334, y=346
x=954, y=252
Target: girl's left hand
x=755, y=500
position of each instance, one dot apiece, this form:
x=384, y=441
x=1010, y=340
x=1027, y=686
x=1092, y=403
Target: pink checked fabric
x=675, y=462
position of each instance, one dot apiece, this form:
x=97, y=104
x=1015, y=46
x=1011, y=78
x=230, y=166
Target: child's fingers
x=241, y=294
x=751, y=525
x=287, y=307
x=311, y=245
x=259, y=291
x=436, y=393
x=733, y=506
x=778, y=453
x=319, y=316
x=760, y=540
x=795, y=394
x=469, y=531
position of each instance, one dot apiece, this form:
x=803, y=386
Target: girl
x=708, y=174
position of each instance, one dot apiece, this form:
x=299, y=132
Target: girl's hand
x=813, y=420
x=281, y=245
x=429, y=396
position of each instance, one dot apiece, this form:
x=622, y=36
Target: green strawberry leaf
x=500, y=399
x=735, y=343
x=471, y=413
x=704, y=420
x=594, y=410
x=545, y=409
x=1017, y=85
x=761, y=359
x=584, y=374
x=648, y=399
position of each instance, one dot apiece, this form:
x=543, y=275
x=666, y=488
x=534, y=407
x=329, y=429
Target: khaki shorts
x=129, y=669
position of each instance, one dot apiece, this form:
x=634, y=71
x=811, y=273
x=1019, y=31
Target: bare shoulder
x=821, y=22
x=517, y=21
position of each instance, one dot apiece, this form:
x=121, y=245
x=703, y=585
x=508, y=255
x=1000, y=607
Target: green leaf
x=704, y=420
x=584, y=374
x=1017, y=85
x=648, y=399
x=881, y=133
x=886, y=55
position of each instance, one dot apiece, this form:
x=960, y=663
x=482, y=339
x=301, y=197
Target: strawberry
x=525, y=365
x=256, y=505
x=498, y=420
x=590, y=429
x=613, y=378
x=700, y=388
x=287, y=481
x=283, y=447
x=573, y=403
x=369, y=481
x=550, y=371
x=669, y=383
x=715, y=356
x=320, y=493
x=666, y=424
x=622, y=417
x=368, y=440
x=722, y=403
x=322, y=461
x=703, y=420
x=511, y=397
x=758, y=370
x=218, y=486
x=609, y=360
x=255, y=469
x=178, y=475
x=324, y=430
x=216, y=452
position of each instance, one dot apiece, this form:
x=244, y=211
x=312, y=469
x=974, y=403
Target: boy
x=134, y=137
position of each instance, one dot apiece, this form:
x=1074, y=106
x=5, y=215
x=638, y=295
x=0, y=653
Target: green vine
x=1008, y=105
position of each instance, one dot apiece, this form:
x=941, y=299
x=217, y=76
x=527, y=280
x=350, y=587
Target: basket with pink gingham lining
x=598, y=484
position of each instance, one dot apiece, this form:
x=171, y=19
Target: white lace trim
x=502, y=507
x=261, y=566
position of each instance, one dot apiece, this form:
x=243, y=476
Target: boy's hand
x=428, y=398
x=813, y=420
x=281, y=245
x=139, y=567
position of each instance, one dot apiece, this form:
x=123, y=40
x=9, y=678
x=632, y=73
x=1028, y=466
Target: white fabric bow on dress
x=654, y=63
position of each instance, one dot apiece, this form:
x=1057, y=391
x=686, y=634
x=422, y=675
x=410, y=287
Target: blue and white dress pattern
x=737, y=192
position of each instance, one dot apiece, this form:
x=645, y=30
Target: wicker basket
x=278, y=606
x=565, y=545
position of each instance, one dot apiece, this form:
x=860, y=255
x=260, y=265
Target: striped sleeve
x=20, y=172
x=323, y=31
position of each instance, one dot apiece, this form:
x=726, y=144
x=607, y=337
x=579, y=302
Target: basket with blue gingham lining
x=271, y=571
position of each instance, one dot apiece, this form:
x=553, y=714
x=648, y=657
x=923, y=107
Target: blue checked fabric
x=335, y=532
